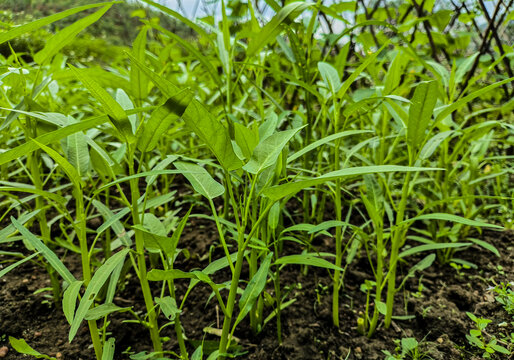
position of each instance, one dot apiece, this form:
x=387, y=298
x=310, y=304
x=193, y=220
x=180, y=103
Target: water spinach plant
x=375, y=137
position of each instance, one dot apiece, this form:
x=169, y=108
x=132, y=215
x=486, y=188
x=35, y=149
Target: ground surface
x=439, y=309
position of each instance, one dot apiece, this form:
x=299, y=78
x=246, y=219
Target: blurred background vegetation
x=102, y=42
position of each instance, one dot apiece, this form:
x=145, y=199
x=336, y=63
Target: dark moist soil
x=439, y=308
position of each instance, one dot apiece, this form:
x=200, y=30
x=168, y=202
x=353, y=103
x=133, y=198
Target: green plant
x=477, y=338
x=505, y=296
x=382, y=139
x=407, y=348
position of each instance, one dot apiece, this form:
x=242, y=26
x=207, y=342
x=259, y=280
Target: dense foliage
x=386, y=126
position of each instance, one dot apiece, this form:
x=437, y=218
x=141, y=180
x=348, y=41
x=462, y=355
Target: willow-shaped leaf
x=167, y=87
x=108, y=351
x=201, y=180
x=16, y=264
x=280, y=191
x=246, y=139
x=49, y=255
x=267, y=151
x=253, y=289
x=307, y=259
x=69, y=300
x=70, y=171
x=420, y=113
x=114, y=110
x=454, y=218
x=346, y=84
x=21, y=346
x=324, y=141
x=433, y=143
x=99, y=278
x=270, y=31
x=45, y=139
x=160, y=121
x=448, y=109
x=212, y=132
x=330, y=77
x=77, y=152
x=66, y=35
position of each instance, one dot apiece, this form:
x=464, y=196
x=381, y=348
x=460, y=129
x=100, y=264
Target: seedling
x=477, y=338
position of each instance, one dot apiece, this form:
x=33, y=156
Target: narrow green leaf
x=166, y=275
x=267, y=151
x=46, y=194
x=21, y=346
x=278, y=192
x=34, y=25
x=273, y=28
x=448, y=109
x=7, y=231
x=307, y=259
x=433, y=143
x=464, y=67
x=454, y=218
x=200, y=179
x=163, y=164
x=69, y=300
x=99, y=278
x=426, y=262
x=187, y=45
x=198, y=354
x=16, y=264
x=139, y=175
x=51, y=137
x=112, y=220
x=66, y=35
x=420, y=113
x=77, y=152
x=49, y=255
x=246, y=139
x=324, y=141
x=253, y=289
x=114, y=110
x=395, y=72
x=346, y=84
x=103, y=310
x=485, y=245
x=431, y=247
x=168, y=306
x=212, y=132
x=160, y=121
x=70, y=171
x=167, y=87
x=108, y=351
x=330, y=77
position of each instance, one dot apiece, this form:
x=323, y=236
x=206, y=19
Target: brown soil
x=307, y=330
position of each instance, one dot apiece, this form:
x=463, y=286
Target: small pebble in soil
x=25, y=281
x=37, y=333
x=58, y=355
x=3, y=351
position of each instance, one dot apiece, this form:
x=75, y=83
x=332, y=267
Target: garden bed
x=439, y=308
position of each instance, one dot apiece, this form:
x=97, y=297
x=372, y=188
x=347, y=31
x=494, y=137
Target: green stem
x=378, y=280
x=227, y=321
x=140, y=250
x=395, y=247
x=338, y=210
x=86, y=269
